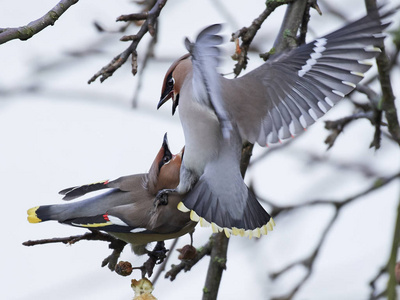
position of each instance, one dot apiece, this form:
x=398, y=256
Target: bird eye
x=166, y=159
x=171, y=82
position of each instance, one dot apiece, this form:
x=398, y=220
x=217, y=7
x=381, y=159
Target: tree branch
x=115, y=244
x=291, y=23
x=164, y=263
x=217, y=265
x=377, y=184
x=392, y=283
x=248, y=33
x=148, y=26
x=308, y=262
x=186, y=265
x=26, y=32
x=384, y=66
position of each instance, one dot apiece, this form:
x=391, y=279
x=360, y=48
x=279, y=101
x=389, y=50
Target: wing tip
x=78, y=191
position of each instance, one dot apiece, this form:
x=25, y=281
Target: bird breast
x=201, y=129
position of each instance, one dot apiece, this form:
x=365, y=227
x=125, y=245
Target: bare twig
x=383, y=103
x=148, y=26
x=391, y=287
x=247, y=34
x=115, y=244
x=336, y=127
x=370, y=112
x=331, y=8
x=186, y=265
x=363, y=168
x=374, y=295
x=149, y=54
x=308, y=262
x=26, y=32
x=388, y=98
x=377, y=184
x=389, y=268
x=164, y=263
x=89, y=236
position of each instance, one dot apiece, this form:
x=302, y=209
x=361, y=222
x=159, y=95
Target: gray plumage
x=127, y=209
x=276, y=101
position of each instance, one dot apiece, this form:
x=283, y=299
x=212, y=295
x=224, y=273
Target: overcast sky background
x=57, y=131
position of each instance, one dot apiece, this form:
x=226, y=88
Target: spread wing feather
x=289, y=92
x=294, y=89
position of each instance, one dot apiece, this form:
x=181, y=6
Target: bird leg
x=188, y=179
x=159, y=252
x=112, y=259
x=156, y=256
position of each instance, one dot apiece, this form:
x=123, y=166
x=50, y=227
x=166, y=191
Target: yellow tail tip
x=32, y=217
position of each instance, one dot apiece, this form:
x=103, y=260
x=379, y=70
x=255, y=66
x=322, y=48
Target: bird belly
x=202, y=135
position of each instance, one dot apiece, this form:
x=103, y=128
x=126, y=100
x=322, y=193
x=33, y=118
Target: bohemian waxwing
x=275, y=101
x=128, y=210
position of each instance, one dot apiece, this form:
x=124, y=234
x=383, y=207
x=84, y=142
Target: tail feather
x=204, y=206
x=32, y=215
x=44, y=213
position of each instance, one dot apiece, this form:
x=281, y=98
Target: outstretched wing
x=288, y=93
x=206, y=80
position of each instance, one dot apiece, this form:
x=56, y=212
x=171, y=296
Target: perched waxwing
x=128, y=210
x=275, y=101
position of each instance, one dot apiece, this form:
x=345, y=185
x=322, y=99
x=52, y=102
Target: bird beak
x=169, y=94
x=164, y=98
x=180, y=154
x=166, y=148
x=177, y=158
x=175, y=103
x=165, y=143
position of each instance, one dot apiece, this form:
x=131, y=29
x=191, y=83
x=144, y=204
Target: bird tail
x=70, y=214
x=44, y=213
x=211, y=210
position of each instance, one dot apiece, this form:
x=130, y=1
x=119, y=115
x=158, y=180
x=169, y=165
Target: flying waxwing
x=275, y=101
x=128, y=210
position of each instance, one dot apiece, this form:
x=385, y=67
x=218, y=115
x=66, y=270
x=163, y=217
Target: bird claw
x=159, y=254
x=162, y=197
x=156, y=257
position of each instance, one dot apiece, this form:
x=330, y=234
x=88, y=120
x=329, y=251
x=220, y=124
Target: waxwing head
x=173, y=81
x=165, y=170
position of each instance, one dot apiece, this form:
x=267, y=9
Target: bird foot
x=156, y=256
x=112, y=259
x=159, y=253
x=162, y=197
